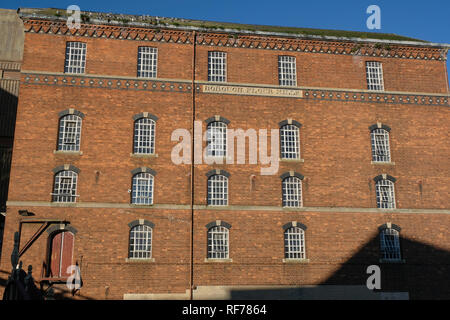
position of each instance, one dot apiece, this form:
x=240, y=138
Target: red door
x=61, y=254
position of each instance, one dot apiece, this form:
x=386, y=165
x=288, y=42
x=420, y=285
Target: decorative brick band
x=218, y=223
x=71, y=111
x=61, y=227
x=141, y=222
x=290, y=121
x=291, y=174
x=384, y=177
x=294, y=224
x=66, y=167
x=145, y=115
x=143, y=170
x=379, y=126
x=217, y=118
x=389, y=226
x=217, y=171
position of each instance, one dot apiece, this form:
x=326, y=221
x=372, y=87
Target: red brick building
x=363, y=175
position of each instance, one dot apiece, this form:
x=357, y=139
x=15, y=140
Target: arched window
x=216, y=139
x=140, y=242
x=384, y=187
x=144, y=135
x=218, y=240
x=142, y=192
x=290, y=139
x=69, y=135
x=294, y=242
x=292, y=190
x=390, y=243
x=65, y=186
x=218, y=190
x=60, y=254
x=380, y=145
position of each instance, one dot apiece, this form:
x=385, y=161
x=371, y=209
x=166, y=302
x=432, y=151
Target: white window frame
x=374, y=75
x=385, y=194
x=217, y=193
x=218, y=243
x=294, y=243
x=390, y=245
x=217, y=66
x=73, y=133
x=287, y=71
x=144, y=136
x=290, y=141
x=147, y=62
x=292, y=192
x=67, y=191
x=380, y=145
x=142, y=189
x=75, y=62
x=140, y=246
x=216, y=139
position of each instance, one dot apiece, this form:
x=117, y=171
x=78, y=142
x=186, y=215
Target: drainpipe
x=191, y=276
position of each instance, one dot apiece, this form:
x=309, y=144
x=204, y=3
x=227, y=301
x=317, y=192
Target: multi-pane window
x=385, y=194
x=144, y=136
x=287, y=71
x=217, y=66
x=390, y=244
x=142, y=192
x=218, y=244
x=216, y=139
x=294, y=243
x=69, y=133
x=75, y=57
x=147, y=62
x=292, y=192
x=374, y=74
x=65, y=186
x=290, y=142
x=218, y=190
x=380, y=145
x=140, y=242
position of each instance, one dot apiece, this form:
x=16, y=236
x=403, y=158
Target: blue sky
x=427, y=20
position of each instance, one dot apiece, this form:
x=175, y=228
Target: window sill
x=140, y=260
x=383, y=163
x=68, y=153
x=209, y=260
x=135, y=205
x=386, y=261
x=292, y=160
x=216, y=206
x=296, y=261
x=144, y=155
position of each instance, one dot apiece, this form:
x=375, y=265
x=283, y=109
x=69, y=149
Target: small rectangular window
x=374, y=73
x=287, y=71
x=147, y=62
x=75, y=57
x=217, y=66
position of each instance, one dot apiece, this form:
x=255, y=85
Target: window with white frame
x=290, y=141
x=287, y=71
x=216, y=139
x=292, y=192
x=217, y=66
x=390, y=244
x=218, y=243
x=140, y=242
x=69, y=134
x=142, y=192
x=294, y=243
x=217, y=190
x=75, y=57
x=144, y=136
x=380, y=145
x=374, y=74
x=385, y=194
x=147, y=62
x=65, y=186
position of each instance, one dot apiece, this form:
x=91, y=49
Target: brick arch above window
x=61, y=227
x=384, y=177
x=389, y=226
x=218, y=171
x=71, y=112
x=143, y=170
x=145, y=115
x=289, y=121
x=218, y=223
x=379, y=126
x=217, y=118
x=66, y=167
x=294, y=224
x=141, y=222
x=292, y=174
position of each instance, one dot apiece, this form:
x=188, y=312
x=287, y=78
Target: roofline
x=95, y=21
